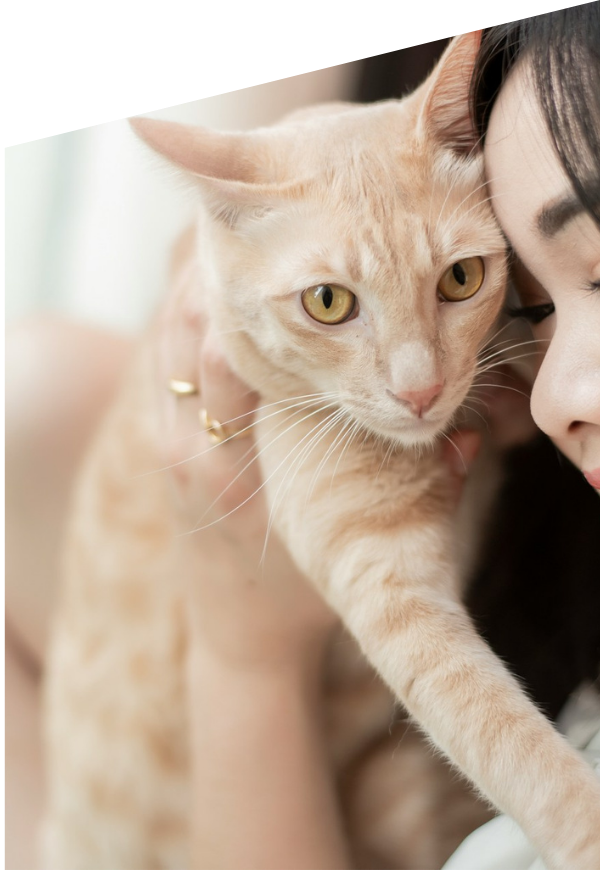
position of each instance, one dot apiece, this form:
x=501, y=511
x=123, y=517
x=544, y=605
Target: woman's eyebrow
x=552, y=218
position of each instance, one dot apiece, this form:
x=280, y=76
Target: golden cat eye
x=462, y=280
x=329, y=303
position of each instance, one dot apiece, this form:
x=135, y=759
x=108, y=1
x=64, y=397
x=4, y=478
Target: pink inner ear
x=446, y=113
x=198, y=150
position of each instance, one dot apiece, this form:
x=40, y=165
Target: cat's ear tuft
x=446, y=113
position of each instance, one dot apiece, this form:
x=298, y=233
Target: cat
x=348, y=252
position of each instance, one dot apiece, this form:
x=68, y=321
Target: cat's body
x=381, y=200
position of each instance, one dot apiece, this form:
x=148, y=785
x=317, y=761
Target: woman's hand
x=248, y=604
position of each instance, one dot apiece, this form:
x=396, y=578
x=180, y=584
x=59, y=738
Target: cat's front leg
x=379, y=547
x=428, y=653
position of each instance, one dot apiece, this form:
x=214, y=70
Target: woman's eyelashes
x=532, y=313
x=539, y=312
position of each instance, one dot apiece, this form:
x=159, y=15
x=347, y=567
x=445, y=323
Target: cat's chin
x=421, y=433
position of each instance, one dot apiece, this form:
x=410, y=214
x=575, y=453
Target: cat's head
x=352, y=250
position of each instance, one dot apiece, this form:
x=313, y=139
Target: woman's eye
x=533, y=313
x=329, y=303
x=462, y=280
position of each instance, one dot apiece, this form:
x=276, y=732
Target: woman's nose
x=565, y=400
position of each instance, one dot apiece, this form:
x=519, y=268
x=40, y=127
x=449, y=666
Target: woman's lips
x=593, y=478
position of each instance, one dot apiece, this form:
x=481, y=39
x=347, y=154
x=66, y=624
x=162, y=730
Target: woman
x=534, y=106
x=256, y=651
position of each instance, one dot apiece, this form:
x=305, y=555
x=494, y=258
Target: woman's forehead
x=523, y=170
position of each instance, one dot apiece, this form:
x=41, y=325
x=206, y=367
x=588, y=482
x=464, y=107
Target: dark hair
x=563, y=48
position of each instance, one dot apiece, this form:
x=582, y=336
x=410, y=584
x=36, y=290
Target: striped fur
x=381, y=199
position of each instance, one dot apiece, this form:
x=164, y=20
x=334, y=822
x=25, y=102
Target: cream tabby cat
x=348, y=252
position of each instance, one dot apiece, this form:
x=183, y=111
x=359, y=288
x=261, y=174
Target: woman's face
x=557, y=270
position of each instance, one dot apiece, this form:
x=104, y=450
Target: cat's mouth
x=410, y=433
x=385, y=420
x=407, y=432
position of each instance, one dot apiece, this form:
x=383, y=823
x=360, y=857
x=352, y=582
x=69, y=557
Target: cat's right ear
x=225, y=166
x=446, y=112
x=197, y=150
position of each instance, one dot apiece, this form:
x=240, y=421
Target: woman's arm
x=263, y=788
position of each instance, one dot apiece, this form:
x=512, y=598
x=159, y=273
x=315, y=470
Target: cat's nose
x=419, y=401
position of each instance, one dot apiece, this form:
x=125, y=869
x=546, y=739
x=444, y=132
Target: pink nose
x=420, y=401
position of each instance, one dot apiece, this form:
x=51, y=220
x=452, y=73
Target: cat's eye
x=329, y=303
x=462, y=280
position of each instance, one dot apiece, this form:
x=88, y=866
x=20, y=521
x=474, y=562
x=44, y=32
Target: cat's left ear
x=446, y=112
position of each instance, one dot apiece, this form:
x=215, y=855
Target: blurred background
x=91, y=215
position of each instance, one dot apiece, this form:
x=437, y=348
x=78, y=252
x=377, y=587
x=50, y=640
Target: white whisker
x=262, y=485
x=328, y=453
x=314, y=436
x=226, y=440
x=465, y=199
x=462, y=458
x=505, y=350
x=504, y=387
x=356, y=426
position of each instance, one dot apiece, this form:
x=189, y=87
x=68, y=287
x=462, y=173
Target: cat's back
x=115, y=727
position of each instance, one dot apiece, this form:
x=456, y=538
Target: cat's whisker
x=226, y=423
x=475, y=411
x=180, y=462
x=330, y=422
x=301, y=407
x=462, y=458
x=236, y=478
x=328, y=453
x=504, y=387
x=475, y=205
x=386, y=457
x=450, y=190
x=535, y=341
x=348, y=436
x=315, y=434
x=307, y=400
x=300, y=410
x=489, y=198
x=356, y=426
x=272, y=430
x=500, y=355
x=212, y=447
x=507, y=350
x=462, y=202
x=498, y=332
x=502, y=362
x=254, y=444
x=443, y=206
x=472, y=398
x=497, y=366
x=455, y=182
x=294, y=468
